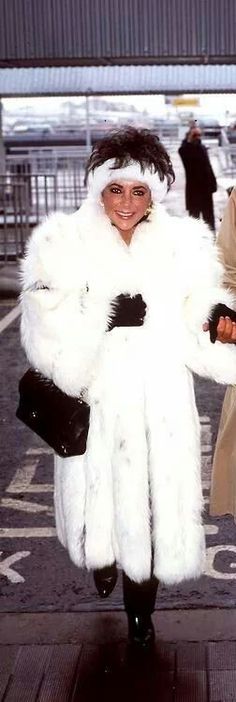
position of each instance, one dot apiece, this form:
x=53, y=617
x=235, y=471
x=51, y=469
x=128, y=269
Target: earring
x=148, y=210
x=100, y=202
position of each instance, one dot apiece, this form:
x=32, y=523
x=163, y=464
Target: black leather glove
x=129, y=311
x=218, y=311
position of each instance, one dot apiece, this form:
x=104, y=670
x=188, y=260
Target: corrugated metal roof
x=33, y=32
x=105, y=80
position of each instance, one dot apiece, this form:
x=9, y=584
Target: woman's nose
x=126, y=199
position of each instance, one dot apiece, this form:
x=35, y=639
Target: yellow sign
x=188, y=101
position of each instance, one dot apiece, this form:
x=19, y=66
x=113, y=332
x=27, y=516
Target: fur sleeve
x=62, y=326
x=205, y=290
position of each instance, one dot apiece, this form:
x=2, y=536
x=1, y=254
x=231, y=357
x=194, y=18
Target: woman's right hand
x=128, y=311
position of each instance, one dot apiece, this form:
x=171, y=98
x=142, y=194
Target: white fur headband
x=106, y=173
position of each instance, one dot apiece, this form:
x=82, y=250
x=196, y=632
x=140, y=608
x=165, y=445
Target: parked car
x=210, y=128
x=166, y=127
x=231, y=132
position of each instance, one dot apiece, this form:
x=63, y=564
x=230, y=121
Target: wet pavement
x=58, y=641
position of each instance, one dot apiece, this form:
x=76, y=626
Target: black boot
x=141, y=632
x=139, y=601
x=105, y=579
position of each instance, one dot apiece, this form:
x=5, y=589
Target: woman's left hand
x=226, y=330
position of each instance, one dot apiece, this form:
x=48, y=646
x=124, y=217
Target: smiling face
x=125, y=203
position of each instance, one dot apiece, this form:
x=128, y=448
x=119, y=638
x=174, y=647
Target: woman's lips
x=125, y=215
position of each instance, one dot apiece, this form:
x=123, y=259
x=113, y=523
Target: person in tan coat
x=223, y=485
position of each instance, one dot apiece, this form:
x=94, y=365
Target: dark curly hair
x=131, y=144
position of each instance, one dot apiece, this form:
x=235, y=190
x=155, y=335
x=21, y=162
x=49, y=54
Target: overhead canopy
x=115, y=80
x=110, y=32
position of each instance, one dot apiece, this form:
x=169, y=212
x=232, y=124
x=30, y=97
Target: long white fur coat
x=137, y=488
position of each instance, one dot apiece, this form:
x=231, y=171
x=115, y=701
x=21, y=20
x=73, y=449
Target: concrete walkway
x=76, y=657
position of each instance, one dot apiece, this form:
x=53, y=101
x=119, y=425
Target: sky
x=142, y=102
x=154, y=104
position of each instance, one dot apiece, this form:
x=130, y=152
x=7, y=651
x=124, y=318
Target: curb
x=9, y=280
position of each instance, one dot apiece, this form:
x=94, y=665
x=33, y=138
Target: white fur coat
x=138, y=486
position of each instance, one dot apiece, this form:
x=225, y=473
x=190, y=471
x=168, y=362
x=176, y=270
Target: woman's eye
x=139, y=192
x=115, y=190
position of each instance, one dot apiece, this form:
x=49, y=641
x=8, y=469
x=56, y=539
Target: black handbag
x=60, y=420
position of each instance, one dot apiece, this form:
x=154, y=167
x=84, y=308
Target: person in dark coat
x=200, y=178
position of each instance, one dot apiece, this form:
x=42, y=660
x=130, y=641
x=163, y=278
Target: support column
x=88, y=127
x=2, y=147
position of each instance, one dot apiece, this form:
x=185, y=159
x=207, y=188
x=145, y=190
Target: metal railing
x=23, y=201
x=66, y=168
x=227, y=156
x=36, y=184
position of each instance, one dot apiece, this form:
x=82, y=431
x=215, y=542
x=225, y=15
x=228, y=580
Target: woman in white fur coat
x=134, y=498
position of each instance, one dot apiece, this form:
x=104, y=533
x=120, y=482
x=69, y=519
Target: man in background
x=200, y=178
x=223, y=486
